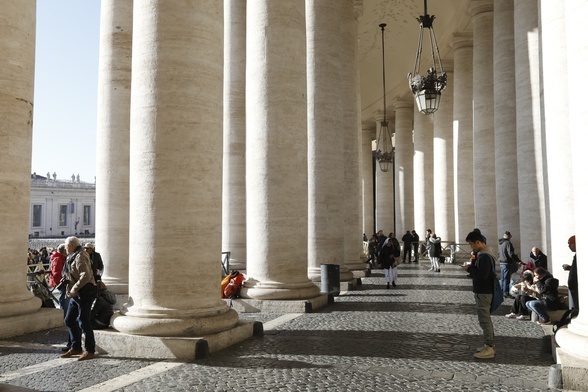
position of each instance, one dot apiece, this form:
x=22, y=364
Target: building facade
x=61, y=208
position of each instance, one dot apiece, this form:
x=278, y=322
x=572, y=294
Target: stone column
x=424, y=187
x=443, y=160
x=530, y=143
x=404, y=151
x=505, y=114
x=367, y=178
x=384, y=191
x=276, y=151
x=483, y=124
x=325, y=160
x=350, y=128
x=234, y=238
x=17, y=75
x=113, y=142
x=573, y=340
x=462, y=135
x=176, y=174
x=19, y=309
x=557, y=136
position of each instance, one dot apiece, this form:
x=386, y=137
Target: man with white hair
x=508, y=260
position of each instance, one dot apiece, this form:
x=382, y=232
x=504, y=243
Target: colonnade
x=178, y=181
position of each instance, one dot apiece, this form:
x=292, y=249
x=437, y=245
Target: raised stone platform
x=117, y=344
x=245, y=305
x=44, y=318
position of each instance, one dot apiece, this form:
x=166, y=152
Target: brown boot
x=86, y=355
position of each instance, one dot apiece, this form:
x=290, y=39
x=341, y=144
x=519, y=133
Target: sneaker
x=511, y=316
x=431, y=269
x=543, y=321
x=71, y=352
x=86, y=355
x=487, y=352
x=523, y=317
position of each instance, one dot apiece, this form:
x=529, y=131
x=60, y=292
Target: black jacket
x=483, y=273
x=548, y=292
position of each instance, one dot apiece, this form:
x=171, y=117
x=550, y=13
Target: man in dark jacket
x=482, y=272
x=407, y=244
x=508, y=262
x=546, y=290
x=573, y=276
x=96, y=260
x=415, y=245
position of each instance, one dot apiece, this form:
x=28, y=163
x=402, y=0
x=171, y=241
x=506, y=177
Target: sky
x=66, y=87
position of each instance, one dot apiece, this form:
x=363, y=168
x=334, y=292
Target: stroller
x=37, y=284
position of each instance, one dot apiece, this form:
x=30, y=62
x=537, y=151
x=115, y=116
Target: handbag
x=89, y=291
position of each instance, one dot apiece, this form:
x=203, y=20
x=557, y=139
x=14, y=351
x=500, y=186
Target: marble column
x=557, y=136
x=176, y=174
x=368, y=135
x=350, y=128
x=443, y=160
x=423, y=175
x=325, y=161
x=462, y=135
x=276, y=152
x=384, y=191
x=113, y=142
x=505, y=114
x=17, y=75
x=530, y=144
x=404, y=151
x=234, y=237
x=483, y=124
x=573, y=340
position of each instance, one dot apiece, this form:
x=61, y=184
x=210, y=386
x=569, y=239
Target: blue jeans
x=483, y=303
x=505, y=279
x=77, y=320
x=538, y=308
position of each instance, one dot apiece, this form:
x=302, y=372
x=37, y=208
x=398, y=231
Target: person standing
x=81, y=291
x=434, y=250
x=415, y=245
x=482, y=272
x=390, y=251
x=407, y=245
x=573, y=276
x=55, y=280
x=508, y=262
x=95, y=260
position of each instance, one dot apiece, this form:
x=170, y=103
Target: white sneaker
x=511, y=316
x=431, y=269
x=487, y=353
x=523, y=317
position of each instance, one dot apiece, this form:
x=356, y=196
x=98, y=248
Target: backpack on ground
x=565, y=319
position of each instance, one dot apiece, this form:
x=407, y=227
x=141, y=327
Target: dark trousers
x=519, y=305
x=416, y=251
x=77, y=320
x=407, y=250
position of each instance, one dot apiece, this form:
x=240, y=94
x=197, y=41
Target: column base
x=118, y=344
x=42, y=319
x=244, y=305
x=117, y=286
x=574, y=371
x=279, y=291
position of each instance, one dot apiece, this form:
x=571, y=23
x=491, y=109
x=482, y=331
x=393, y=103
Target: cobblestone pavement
x=419, y=336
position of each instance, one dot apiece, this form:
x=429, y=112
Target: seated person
x=102, y=309
x=538, y=258
x=522, y=289
x=545, y=289
x=231, y=285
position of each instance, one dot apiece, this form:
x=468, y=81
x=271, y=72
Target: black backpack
x=565, y=319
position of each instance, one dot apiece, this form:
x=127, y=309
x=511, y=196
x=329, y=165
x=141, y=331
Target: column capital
x=477, y=7
x=357, y=9
x=447, y=65
x=367, y=126
x=462, y=40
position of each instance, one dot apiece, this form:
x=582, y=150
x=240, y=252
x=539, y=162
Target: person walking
x=482, y=272
x=407, y=246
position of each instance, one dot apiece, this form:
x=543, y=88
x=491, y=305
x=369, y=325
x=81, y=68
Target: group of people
x=75, y=271
x=384, y=252
x=537, y=291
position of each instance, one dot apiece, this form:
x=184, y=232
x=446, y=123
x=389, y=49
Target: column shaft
x=113, y=141
x=175, y=186
x=17, y=72
x=443, y=161
x=325, y=160
x=404, y=151
x=384, y=192
x=484, y=175
x=276, y=151
x=505, y=113
x=234, y=237
x=529, y=138
x=462, y=135
x=424, y=187
x=367, y=178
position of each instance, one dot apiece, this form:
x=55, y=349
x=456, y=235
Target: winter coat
x=78, y=271
x=56, y=268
